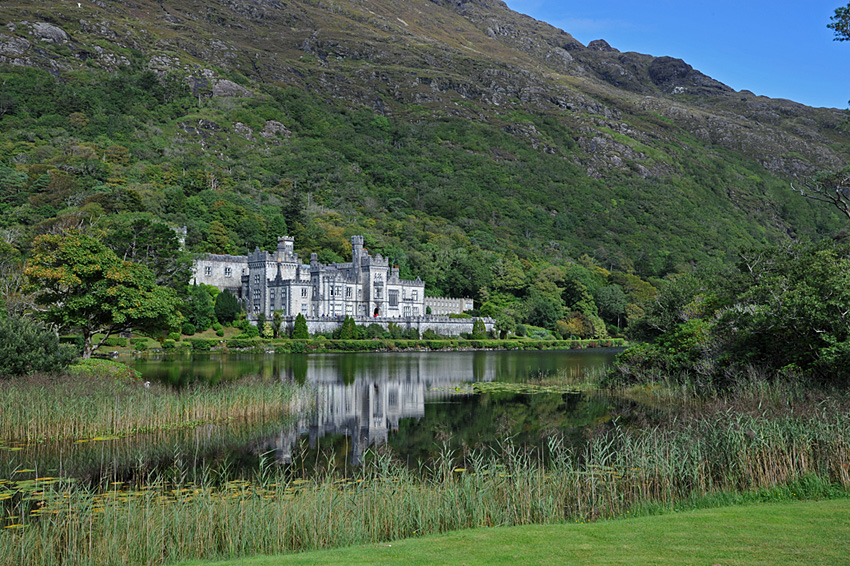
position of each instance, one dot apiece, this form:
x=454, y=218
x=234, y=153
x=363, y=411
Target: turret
x=356, y=252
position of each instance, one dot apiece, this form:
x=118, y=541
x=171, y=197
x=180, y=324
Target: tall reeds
x=50, y=408
x=276, y=511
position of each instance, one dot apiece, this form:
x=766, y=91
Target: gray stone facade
x=442, y=325
x=444, y=305
x=367, y=289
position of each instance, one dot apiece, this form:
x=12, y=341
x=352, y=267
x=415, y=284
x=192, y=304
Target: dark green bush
x=115, y=341
x=202, y=345
x=242, y=342
x=27, y=346
x=188, y=328
x=174, y=336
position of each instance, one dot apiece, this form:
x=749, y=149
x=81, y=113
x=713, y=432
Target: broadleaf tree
x=81, y=285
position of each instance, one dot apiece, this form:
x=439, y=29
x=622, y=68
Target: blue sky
x=780, y=49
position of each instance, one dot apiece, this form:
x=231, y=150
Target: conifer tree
x=299, y=331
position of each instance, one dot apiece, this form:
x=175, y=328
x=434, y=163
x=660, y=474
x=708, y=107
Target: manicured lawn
x=798, y=533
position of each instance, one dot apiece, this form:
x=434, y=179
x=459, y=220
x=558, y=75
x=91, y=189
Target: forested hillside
x=492, y=155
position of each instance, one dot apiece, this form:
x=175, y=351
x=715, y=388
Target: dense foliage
x=80, y=284
x=28, y=347
x=140, y=155
x=780, y=313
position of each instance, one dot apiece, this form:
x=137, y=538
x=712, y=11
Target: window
x=406, y=311
x=304, y=309
x=304, y=292
x=228, y=271
x=271, y=294
x=378, y=293
x=415, y=295
x=415, y=311
x=392, y=295
x=348, y=292
x=332, y=291
x=256, y=278
x=207, y=270
x=338, y=290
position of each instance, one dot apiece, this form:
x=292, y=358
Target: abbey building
x=279, y=281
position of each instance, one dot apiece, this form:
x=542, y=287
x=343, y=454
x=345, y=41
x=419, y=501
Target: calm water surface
x=412, y=404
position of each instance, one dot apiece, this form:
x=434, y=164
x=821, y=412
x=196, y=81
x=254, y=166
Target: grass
x=88, y=405
x=694, y=463
x=810, y=532
x=767, y=444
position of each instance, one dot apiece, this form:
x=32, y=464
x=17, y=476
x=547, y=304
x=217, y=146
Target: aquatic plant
x=795, y=453
x=86, y=405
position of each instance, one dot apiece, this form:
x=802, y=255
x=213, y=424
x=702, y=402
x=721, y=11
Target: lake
x=412, y=406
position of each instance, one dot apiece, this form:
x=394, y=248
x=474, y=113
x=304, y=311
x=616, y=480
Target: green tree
x=612, y=302
x=277, y=320
x=226, y=307
x=348, y=330
x=299, y=330
x=27, y=347
x=841, y=23
x=505, y=323
x=148, y=241
x=81, y=284
x=199, y=307
x=479, y=331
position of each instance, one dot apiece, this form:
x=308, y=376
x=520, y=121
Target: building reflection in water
x=364, y=398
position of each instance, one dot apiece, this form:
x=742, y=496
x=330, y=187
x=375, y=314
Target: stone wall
x=446, y=305
x=222, y=271
x=441, y=325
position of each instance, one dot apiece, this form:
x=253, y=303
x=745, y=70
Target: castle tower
x=356, y=253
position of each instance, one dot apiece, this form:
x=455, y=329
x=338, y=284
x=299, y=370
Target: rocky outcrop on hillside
x=437, y=54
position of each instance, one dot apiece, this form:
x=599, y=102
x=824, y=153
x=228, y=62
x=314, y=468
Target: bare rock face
x=49, y=33
x=273, y=128
x=667, y=70
x=13, y=46
x=227, y=88
x=601, y=45
x=243, y=130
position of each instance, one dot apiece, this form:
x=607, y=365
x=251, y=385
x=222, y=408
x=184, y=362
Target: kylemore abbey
x=367, y=289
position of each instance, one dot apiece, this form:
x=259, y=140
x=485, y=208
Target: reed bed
x=52, y=408
x=273, y=511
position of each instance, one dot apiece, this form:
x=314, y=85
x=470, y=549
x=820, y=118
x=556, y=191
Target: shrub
x=299, y=330
x=168, y=344
x=430, y=335
x=243, y=342
x=102, y=368
x=226, y=307
x=188, y=328
x=202, y=345
x=479, y=331
x=268, y=331
x=27, y=346
x=219, y=332
x=115, y=341
x=175, y=336
x=217, y=327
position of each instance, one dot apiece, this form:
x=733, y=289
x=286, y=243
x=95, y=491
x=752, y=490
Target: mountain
x=452, y=133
